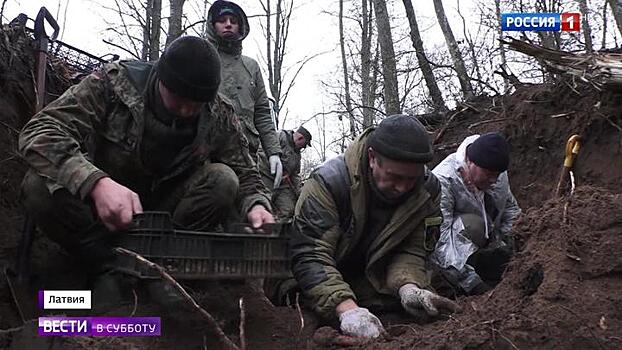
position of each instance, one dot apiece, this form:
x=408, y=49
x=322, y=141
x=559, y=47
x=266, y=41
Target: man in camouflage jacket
x=284, y=197
x=360, y=226
x=134, y=136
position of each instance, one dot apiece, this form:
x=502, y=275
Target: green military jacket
x=242, y=83
x=96, y=127
x=329, y=222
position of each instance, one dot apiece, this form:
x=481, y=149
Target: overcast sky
x=313, y=30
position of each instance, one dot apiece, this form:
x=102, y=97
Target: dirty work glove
x=276, y=169
x=414, y=298
x=359, y=322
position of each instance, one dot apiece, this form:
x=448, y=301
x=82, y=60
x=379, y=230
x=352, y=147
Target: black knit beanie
x=402, y=138
x=190, y=68
x=490, y=151
x=302, y=130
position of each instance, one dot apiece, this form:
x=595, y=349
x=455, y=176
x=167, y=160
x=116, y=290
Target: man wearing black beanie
x=360, y=227
x=137, y=136
x=479, y=210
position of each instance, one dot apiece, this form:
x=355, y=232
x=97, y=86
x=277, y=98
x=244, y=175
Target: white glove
x=414, y=298
x=276, y=169
x=359, y=322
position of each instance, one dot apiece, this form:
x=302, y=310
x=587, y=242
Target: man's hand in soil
x=258, y=216
x=357, y=321
x=414, y=298
x=115, y=204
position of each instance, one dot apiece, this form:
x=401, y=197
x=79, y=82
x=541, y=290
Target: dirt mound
x=538, y=120
x=560, y=292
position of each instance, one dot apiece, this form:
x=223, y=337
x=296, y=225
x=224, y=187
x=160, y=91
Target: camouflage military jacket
x=290, y=158
x=95, y=129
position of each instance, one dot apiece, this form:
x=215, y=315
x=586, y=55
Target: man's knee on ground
x=220, y=180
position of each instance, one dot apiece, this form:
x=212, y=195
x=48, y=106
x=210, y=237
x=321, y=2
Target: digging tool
x=42, y=42
x=572, y=150
x=19, y=286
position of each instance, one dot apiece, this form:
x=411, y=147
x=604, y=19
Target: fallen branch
x=302, y=319
x=11, y=330
x=561, y=115
x=14, y=296
x=486, y=122
x=505, y=338
x=135, y=303
x=16, y=329
x=446, y=146
x=11, y=128
x=211, y=322
x=242, y=324
x=597, y=68
x=444, y=128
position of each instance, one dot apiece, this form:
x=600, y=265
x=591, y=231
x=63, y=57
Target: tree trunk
x=346, y=78
x=174, y=20
x=156, y=26
x=374, y=83
x=366, y=64
x=585, y=26
x=144, y=54
x=389, y=70
x=616, y=9
x=471, y=46
x=454, y=51
x=278, y=55
x=504, y=61
x=424, y=64
x=604, y=42
x=269, y=43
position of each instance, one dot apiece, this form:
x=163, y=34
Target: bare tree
x=585, y=24
x=2, y=10
x=346, y=80
x=454, y=51
x=281, y=78
x=504, y=61
x=368, y=84
x=424, y=64
x=604, y=40
x=130, y=28
x=387, y=52
x=616, y=9
x=174, y=20
x=155, y=28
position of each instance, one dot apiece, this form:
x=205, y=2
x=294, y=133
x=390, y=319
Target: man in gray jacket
x=242, y=82
x=478, y=210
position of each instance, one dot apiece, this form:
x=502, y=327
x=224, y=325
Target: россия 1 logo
x=541, y=22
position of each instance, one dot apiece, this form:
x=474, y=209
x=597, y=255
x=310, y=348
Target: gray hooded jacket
x=242, y=83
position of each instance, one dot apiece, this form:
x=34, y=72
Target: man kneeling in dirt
x=478, y=213
x=359, y=230
x=133, y=136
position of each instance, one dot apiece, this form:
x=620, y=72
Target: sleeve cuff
x=89, y=183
